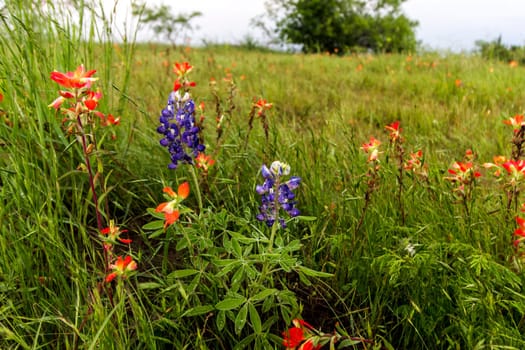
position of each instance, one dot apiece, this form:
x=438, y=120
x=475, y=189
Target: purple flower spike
x=277, y=194
x=180, y=134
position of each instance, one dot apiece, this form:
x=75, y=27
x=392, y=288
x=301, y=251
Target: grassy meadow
x=383, y=255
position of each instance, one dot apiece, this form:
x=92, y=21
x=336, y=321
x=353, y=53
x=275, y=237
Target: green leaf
x=236, y=247
x=228, y=268
x=220, y=320
x=294, y=245
x=348, y=342
x=155, y=214
x=255, y=319
x=313, y=273
x=240, y=320
x=241, y=238
x=149, y=285
x=306, y=218
x=181, y=244
x=237, y=278
x=156, y=234
x=183, y=273
x=287, y=263
x=230, y=303
x=263, y=294
x=154, y=225
x=243, y=344
x=198, y=310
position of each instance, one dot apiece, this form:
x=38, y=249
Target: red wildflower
x=78, y=79
x=170, y=209
x=520, y=231
x=57, y=102
x=204, y=161
x=498, y=162
x=92, y=98
x=181, y=69
x=121, y=268
x=300, y=336
x=113, y=233
x=186, y=84
x=414, y=163
x=372, y=148
x=293, y=337
x=516, y=169
x=106, y=120
x=463, y=172
x=395, y=131
x=517, y=121
x=262, y=105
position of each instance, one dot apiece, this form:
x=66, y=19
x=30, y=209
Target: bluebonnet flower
x=181, y=135
x=277, y=194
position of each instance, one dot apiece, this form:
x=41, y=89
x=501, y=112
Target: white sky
x=443, y=24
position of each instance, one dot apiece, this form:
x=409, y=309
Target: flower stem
x=275, y=226
x=90, y=172
x=197, y=188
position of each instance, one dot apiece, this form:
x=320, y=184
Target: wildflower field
x=231, y=198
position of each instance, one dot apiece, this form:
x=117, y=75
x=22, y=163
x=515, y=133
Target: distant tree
x=164, y=23
x=341, y=25
x=496, y=49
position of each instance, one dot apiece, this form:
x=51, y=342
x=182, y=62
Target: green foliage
x=344, y=25
x=497, y=50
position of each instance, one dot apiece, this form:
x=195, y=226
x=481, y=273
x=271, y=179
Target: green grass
x=212, y=281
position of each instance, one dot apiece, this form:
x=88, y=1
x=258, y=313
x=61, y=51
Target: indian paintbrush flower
x=300, y=337
x=516, y=170
x=517, y=122
x=171, y=208
x=520, y=231
x=498, y=162
x=277, y=194
x=78, y=79
x=204, y=162
x=122, y=267
x=462, y=172
x=113, y=235
x=395, y=131
x=261, y=106
x=414, y=164
x=372, y=149
x=303, y=336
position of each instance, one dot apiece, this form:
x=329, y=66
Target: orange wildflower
x=78, y=79
x=204, y=161
x=170, y=208
x=122, y=267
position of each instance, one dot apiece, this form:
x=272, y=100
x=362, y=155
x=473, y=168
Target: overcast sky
x=443, y=24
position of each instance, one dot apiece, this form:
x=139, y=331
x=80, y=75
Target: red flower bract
x=293, y=337
x=80, y=78
x=394, y=130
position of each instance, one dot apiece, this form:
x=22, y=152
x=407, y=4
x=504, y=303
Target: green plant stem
x=197, y=188
x=400, y=153
x=275, y=226
x=90, y=172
